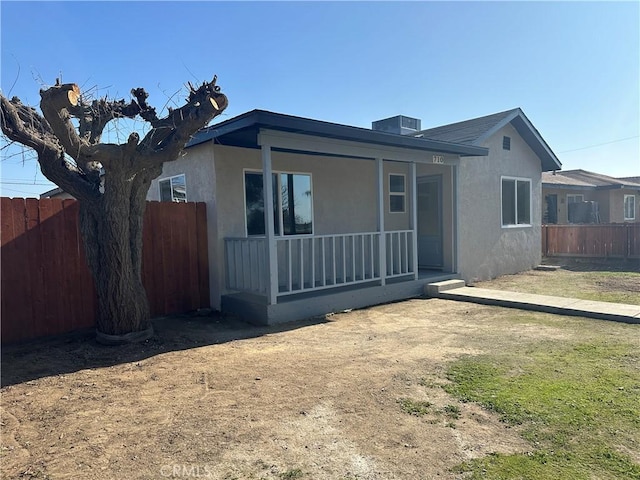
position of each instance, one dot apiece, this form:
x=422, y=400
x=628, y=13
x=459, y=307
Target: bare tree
x=66, y=138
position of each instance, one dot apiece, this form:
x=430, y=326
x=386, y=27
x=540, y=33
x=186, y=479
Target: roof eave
x=263, y=119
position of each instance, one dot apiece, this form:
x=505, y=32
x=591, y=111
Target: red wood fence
x=597, y=241
x=46, y=287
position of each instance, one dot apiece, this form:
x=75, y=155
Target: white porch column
x=456, y=216
x=414, y=216
x=272, y=255
x=383, y=237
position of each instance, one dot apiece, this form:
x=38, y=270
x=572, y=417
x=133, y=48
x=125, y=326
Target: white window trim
x=398, y=194
x=517, y=225
x=633, y=210
x=576, y=195
x=278, y=206
x=186, y=196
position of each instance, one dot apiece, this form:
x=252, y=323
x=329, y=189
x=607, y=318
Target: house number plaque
x=438, y=159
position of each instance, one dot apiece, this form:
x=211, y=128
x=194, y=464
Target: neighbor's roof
x=477, y=130
x=590, y=180
x=243, y=130
x=630, y=179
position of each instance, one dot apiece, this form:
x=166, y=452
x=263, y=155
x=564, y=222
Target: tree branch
x=55, y=104
x=23, y=125
x=170, y=134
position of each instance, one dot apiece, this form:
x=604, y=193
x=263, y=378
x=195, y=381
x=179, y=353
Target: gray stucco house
x=307, y=217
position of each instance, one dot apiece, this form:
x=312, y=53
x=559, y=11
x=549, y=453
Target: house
x=579, y=196
x=56, y=193
x=307, y=217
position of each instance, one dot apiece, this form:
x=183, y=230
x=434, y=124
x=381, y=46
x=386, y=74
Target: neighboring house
x=579, y=196
x=56, y=193
x=308, y=217
x=61, y=194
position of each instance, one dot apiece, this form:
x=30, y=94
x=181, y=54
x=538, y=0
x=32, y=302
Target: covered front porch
x=291, y=272
x=312, y=217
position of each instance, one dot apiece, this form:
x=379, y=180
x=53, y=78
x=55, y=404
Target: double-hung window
x=516, y=201
x=173, y=189
x=397, y=193
x=629, y=207
x=292, y=203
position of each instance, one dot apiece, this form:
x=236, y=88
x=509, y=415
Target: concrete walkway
x=617, y=312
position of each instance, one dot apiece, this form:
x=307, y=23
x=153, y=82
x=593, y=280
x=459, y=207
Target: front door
x=430, y=222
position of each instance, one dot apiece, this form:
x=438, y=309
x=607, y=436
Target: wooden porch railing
x=308, y=263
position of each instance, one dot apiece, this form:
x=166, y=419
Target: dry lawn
x=211, y=397
x=604, y=281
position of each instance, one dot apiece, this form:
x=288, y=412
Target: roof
x=477, y=130
x=51, y=193
x=630, y=179
x=589, y=180
x=243, y=130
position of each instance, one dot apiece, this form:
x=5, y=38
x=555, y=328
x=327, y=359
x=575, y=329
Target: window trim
x=624, y=207
x=402, y=194
x=277, y=207
x=516, y=180
x=575, y=195
x=170, y=179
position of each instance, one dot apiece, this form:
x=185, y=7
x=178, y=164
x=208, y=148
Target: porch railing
x=247, y=264
x=318, y=262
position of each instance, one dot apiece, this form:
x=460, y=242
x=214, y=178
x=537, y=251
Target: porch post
x=454, y=223
x=414, y=217
x=382, y=253
x=270, y=241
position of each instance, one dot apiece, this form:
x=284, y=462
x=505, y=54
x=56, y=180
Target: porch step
x=432, y=289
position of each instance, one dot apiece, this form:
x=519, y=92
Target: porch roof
x=243, y=130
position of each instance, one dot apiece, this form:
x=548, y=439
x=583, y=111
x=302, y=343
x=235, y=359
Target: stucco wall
x=200, y=179
x=486, y=249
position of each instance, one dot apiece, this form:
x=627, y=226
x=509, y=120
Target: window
x=173, y=189
x=516, y=201
x=575, y=198
x=506, y=143
x=396, y=193
x=629, y=207
x=291, y=197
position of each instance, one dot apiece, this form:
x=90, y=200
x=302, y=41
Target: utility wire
x=600, y=144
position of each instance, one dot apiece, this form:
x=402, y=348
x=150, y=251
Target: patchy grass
x=291, y=474
x=601, y=286
x=578, y=405
x=415, y=407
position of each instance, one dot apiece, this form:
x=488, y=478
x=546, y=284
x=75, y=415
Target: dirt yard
x=211, y=397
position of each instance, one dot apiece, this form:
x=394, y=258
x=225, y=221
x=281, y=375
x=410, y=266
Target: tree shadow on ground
x=79, y=350
x=595, y=264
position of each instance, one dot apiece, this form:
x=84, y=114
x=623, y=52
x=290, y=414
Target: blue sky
x=572, y=67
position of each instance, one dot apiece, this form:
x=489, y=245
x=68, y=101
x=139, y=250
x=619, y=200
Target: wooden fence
x=596, y=241
x=46, y=287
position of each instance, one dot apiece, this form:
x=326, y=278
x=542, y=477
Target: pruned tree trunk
x=111, y=218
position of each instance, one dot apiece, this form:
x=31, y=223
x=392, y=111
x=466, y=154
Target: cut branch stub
x=61, y=96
